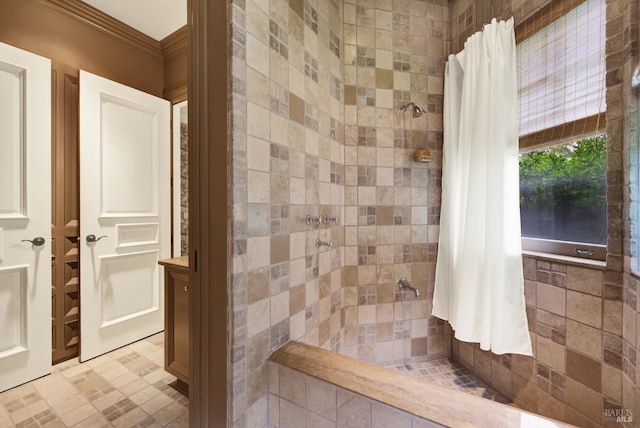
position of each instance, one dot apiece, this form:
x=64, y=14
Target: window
x=563, y=197
x=561, y=89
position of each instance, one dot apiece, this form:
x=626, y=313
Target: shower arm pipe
x=416, y=111
x=404, y=284
x=406, y=106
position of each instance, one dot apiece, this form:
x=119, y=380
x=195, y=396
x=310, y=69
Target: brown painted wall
x=174, y=52
x=39, y=27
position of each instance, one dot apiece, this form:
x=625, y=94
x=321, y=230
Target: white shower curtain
x=479, y=285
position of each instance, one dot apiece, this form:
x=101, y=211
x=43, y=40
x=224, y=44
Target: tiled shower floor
x=124, y=388
x=449, y=374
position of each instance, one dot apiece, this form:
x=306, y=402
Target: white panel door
x=25, y=214
x=125, y=213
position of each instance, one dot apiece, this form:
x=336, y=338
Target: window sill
x=635, y=275
x=574, y=261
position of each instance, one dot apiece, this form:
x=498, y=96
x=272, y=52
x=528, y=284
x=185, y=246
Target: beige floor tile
x=99, y=361
x=144, y=395
x=132, y=418
x=65, y=403
x=76, y=394
x=180, y=422
x=108, y=400
x=79, y=414
x=115, y=372
x=142, y=347
x=28, y=411
x=65, y=365
x=158, y=375
x=106, y=366
x=5, y=421
x=157, y=355
x=92, y=383
x=134, y=386
x=156, y=403
x=17, y=393
x=75, y=371
x=170, y=413
x=124, y=379
x=95, y=421
x=56, y=389
x=46, y=382
x=54, y=424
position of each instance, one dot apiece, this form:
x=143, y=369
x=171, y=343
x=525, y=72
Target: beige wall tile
x=296, y=108
x=315, y=421
x=583, y=369
x=258, y=121
x=550, y=353
x=437, y=345
x=629, y=316
x=584, y=400
x=386, y=417
x=422, y=423
x=584, y=308
x=280, y=247
x=291, y=415
x=279, y=307
x=292, y=386
x=321, y=398
x=549, y=406
x=353, y=410
x=551, y=298
x=585, y=339
x=612, y=383
x=258, y=154
x=584, y=280
x=257, y=54
x=524, y=390
x=501, y=378
x=258, y=317
x=258, y=252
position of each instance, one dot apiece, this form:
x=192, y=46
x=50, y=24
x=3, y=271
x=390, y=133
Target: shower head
x=415, y=110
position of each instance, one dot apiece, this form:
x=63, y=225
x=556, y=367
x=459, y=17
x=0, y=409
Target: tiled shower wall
x=394, y=53
x=287, y=154
x=624, y=121
x=585, y=348
x=575, y=323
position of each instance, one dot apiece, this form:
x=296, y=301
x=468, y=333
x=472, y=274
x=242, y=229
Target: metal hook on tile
x=327, y=219
x=313, y=220
x=321, y=243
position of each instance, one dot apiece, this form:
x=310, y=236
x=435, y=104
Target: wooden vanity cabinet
x=176, y=320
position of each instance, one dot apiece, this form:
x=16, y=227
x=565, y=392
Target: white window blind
x=561, y=77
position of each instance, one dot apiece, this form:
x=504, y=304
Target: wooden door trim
x=64, y=207
x=208, y=44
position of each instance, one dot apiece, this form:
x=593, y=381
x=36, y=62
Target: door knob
x=37, y=241
x=92, y=238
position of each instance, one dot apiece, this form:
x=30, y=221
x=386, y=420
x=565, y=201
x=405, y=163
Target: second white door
x=125, y=213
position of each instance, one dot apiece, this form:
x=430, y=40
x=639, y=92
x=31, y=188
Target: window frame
x=591, y=126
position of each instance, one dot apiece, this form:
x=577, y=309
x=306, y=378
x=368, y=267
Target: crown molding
x=99, y=20
x=176, y=95
x=174, y=43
